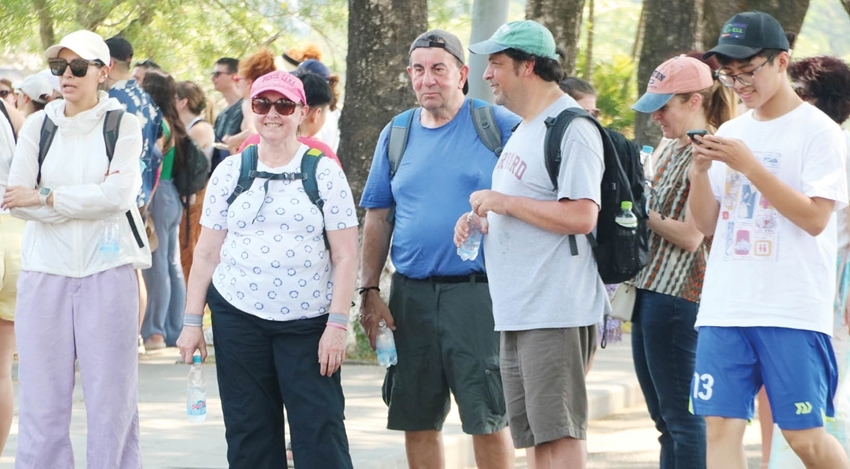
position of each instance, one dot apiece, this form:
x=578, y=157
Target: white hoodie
x=64, y=239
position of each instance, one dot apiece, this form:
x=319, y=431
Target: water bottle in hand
x=468, y=251
x=385, y=345
x=196, y=395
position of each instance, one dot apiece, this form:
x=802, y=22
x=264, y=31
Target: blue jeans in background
x=664, y=345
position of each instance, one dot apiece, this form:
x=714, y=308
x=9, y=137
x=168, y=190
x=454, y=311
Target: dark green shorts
x=446, y=345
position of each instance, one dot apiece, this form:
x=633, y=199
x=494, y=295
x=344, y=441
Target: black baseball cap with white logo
x=747, y=34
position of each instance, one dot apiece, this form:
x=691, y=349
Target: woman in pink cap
x=78, y=296
x=279, y=298
x=681, y=96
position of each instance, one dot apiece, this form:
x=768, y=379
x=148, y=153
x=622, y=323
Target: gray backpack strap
x=397, y=139
x=111, y=126
x=48, y=131
x=485, y=125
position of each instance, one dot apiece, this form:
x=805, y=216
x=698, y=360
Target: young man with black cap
x=766, y=187
x=439, y=305
x=546, y=301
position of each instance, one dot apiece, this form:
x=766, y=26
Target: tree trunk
x=846, y=5
x=789, y=13
x=377, y=86
x=563, y=19
x=671, y=28
x=588, y=52
x=45, y=23
x=487, y=16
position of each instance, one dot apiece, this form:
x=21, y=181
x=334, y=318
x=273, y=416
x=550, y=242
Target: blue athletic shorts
x=797, y=368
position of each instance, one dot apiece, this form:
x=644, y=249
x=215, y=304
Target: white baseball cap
x=36, y=87
x=86, y=44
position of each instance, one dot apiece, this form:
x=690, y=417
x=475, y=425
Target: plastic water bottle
x=468, y=251
x=626, y=218
x=646, y=161
x=385, y=345
x=196, y=394
x=110, y=236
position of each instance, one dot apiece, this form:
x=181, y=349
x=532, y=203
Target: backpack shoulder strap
x=11, y=126
x=309, y=163
x=247, y=172
x=488, y=131
x=48, y=131
x=397, y=139
x=556, y=127
x=111, y=125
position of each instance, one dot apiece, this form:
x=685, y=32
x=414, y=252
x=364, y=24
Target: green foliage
x=614, y=83
x=362, y=350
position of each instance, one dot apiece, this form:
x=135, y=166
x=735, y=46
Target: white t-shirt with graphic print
x=763, y=270
x=274, y=264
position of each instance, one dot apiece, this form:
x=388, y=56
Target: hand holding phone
x=692, y=133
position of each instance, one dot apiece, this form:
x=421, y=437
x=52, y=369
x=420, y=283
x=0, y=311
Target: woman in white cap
x=279, y=297
x=78, y=295
x=32, y=94
x=681, y=96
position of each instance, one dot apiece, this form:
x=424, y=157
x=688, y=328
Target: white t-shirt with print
x=274, y=264
x=763, y=270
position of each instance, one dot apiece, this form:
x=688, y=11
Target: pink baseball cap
x=680, y=74
x=282, y=82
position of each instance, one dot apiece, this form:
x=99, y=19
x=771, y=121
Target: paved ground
x=622, y=436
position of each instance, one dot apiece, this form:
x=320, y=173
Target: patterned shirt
x=274, y=264
x=671, y=269
x=137, y=102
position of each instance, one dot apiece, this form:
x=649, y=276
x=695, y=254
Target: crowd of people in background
x=747, y=250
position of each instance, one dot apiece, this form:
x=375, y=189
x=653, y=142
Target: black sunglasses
x=219, y=73
x=4, y=93
x=79, y=67
x=262, y=106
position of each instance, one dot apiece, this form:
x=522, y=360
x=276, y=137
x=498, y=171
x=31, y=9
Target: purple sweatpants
x=93, y=320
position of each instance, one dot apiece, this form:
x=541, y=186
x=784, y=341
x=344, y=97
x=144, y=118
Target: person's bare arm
x=377, y=233
x=564, y=216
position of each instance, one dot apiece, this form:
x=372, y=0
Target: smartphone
x=692, y=133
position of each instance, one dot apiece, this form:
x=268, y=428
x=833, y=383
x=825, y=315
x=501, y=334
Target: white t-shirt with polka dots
x=274, y=264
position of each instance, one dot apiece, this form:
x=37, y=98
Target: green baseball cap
x=528, y=36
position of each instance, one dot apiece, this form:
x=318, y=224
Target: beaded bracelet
x=195, y=320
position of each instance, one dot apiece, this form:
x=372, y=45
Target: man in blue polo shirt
x=439, y=305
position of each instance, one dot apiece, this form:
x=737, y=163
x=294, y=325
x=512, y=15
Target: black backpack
x=483, y=118
x=309, y=162
x=191, y=169
x=620, y=253
x=111, y=125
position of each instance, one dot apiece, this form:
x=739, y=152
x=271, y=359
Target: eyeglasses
x=4, y=93
x=745, y=78
x=79, y=67
x=594, y=112
x=262, y=106
x=219, y=73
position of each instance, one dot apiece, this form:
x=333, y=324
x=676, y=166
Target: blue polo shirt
x=440, y=169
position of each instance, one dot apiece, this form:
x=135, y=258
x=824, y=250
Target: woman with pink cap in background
x=681, y=96
x=279, y=298
x=78, y=297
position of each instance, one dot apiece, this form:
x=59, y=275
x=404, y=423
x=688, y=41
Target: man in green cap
x=546, y=301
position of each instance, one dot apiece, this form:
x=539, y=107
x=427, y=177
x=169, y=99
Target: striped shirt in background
x=672, y=270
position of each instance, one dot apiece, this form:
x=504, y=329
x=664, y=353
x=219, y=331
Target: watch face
x=43, y=191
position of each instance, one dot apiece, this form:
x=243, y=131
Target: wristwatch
x=43, y=194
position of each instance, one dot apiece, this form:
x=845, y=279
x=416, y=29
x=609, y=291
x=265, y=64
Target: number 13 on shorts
x=702, y=385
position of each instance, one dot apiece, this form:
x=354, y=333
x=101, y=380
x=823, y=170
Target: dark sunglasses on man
x=219, y=73
x=79, y=67
x=262, y=106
